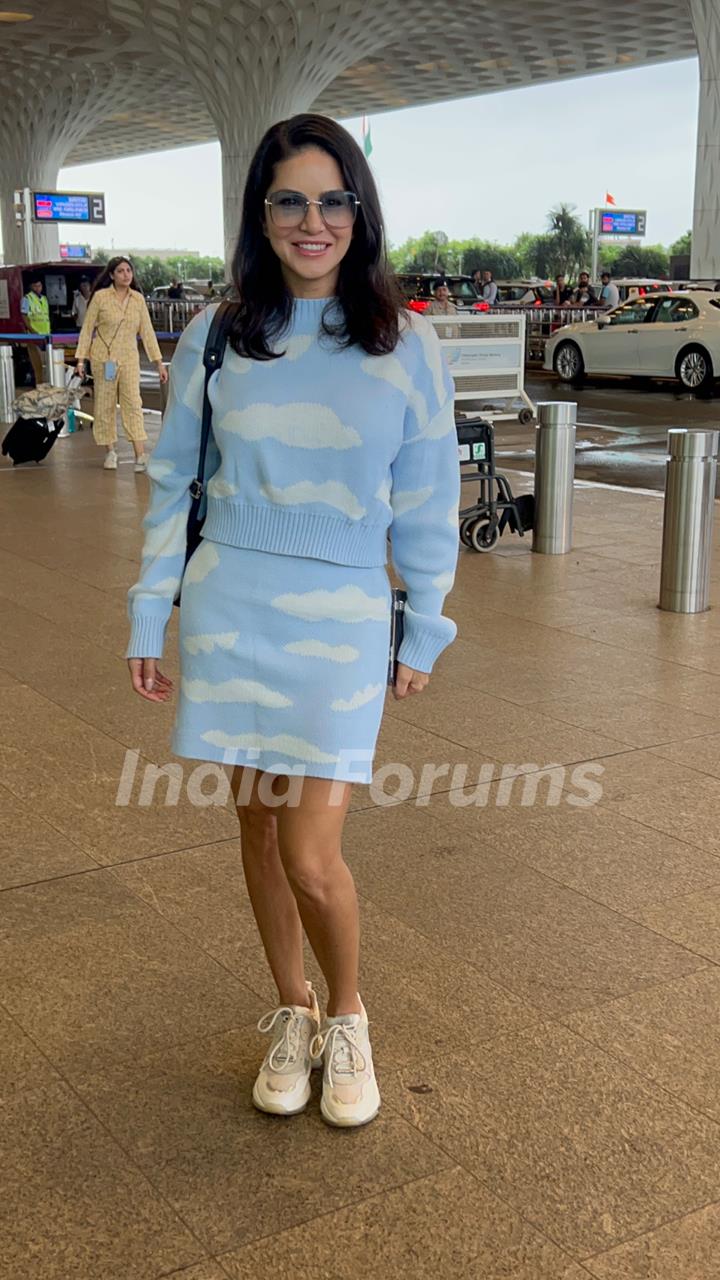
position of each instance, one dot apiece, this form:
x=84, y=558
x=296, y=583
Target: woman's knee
x=313, y=876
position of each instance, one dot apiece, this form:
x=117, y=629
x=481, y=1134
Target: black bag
x=397, y=630
x=212, y=359
x=31, y=439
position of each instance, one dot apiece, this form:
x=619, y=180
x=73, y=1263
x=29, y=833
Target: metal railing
x=172, y=316
x=543, y=322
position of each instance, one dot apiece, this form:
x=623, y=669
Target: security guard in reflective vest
x=36, y=312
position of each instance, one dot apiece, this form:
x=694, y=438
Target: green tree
x=537, y=254
x=569, y=247
x=485, y=255
x=639, y=260
x=681, y=246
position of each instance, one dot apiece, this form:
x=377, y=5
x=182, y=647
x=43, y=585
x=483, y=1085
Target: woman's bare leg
x=271, y=897
x=310, y=846
x=297, y=878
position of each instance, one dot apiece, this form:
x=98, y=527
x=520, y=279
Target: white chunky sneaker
x=283, y=1083
x=141, y=463
x=110, y=463
x=350, y=1093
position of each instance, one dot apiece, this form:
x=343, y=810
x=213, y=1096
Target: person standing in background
x=81, y=298
x=488, y=288
x=116, y=315
x=609, y=294
x=35, y=309
x=584, y=295
x=441, y=304
x=563, y=292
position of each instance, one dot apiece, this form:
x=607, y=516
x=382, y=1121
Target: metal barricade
x=690, y=480
x=554, y=477
x=7, y=384
x=543, y=322
x=171, y=315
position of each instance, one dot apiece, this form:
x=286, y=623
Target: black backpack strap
x=213, y=355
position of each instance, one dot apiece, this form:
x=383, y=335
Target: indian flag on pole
x=366, y=137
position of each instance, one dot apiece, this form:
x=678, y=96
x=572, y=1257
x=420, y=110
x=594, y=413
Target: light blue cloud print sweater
x=284, y=620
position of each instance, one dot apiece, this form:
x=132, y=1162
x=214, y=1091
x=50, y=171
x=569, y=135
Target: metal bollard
x=554, y=476
x=690, y=476
x=7, y=384
x=55, y=358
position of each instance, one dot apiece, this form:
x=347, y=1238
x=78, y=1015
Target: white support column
x=23, y=164
x=705, y=261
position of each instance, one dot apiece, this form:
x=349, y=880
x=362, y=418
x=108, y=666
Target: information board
x=622, y=222
x=68, y=206
x=74, y=252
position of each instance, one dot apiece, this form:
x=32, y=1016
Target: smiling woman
x=333, y=423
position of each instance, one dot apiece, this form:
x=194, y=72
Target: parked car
x=525, y=293
x=418, y=290
x=160, y=294
x=668, y=335
x=635, y=286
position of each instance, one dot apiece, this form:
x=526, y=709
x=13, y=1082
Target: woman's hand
x=162, y=371
x=148, y=680
x=408, y=681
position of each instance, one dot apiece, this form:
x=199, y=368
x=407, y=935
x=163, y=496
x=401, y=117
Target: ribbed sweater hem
x=289, y=532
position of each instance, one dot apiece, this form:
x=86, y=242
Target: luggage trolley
x=486, y=357
x=496, y=508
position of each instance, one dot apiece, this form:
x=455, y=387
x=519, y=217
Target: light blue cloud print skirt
x=283, y=661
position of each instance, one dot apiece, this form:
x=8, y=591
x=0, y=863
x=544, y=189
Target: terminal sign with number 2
x=68, y=206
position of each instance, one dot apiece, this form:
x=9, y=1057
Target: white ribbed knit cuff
x=147, y=637
x=424, y=640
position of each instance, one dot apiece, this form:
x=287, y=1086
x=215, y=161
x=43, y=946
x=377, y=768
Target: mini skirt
x=283, y=662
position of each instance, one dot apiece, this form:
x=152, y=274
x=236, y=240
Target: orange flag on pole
x=609, y=199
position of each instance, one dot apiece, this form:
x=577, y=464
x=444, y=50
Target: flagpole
x=595, y=244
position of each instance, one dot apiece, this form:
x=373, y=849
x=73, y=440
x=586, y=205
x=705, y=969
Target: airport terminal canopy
x=105, y=78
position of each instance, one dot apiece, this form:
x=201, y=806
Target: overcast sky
x=489, y=166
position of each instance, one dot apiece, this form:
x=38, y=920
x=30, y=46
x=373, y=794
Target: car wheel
x=694, y=370
x=568, y=362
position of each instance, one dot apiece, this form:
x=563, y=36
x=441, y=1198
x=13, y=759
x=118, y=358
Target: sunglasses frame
x=308, y=202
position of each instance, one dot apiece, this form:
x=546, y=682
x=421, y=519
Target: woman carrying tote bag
x=116, y=315
x=332, y=422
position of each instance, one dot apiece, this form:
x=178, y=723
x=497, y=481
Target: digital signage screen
x=68, y=206
x=622, y=222
x=74, y=251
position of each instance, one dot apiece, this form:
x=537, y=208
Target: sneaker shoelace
x=287, y=1046
x=346, y=1056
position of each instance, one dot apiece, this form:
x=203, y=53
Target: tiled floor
x=543, y=975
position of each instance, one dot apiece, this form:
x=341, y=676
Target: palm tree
x=570, y=246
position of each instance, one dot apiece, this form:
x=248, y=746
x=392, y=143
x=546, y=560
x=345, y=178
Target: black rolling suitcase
x=31, y=439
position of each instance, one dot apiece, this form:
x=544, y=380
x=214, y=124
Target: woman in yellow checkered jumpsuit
x=116, y=314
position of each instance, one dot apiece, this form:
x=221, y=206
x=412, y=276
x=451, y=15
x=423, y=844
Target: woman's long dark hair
x=367, y=291
x=104, y=280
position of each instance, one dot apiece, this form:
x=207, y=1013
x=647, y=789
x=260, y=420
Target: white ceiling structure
x=105, y=78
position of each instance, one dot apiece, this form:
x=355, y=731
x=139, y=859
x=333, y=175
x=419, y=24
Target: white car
x=661, y=335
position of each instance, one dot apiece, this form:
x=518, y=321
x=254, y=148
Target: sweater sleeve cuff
x=147, y=637
x=424, y=639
